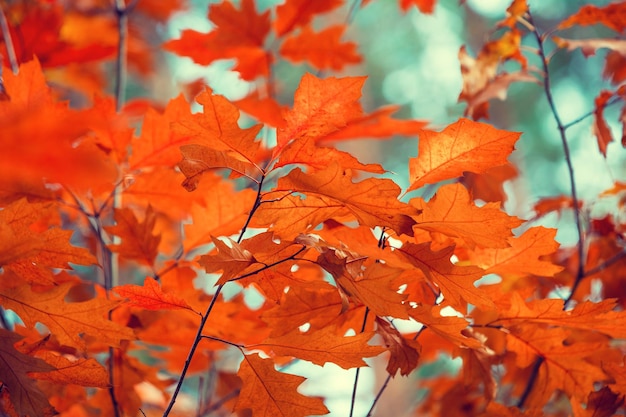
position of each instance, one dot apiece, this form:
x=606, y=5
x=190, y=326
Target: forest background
x=104, y=167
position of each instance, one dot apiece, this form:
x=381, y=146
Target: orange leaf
x=524, y=255
x=462, y=146
x=425, y=6
x=69, y=322
x=232, y=259
x=596, y=317
x=601, y=129
x=374, y=201
x=611, y=16
x=325, y=345
x=294, y=13
x=151, y=297
x=138, y=242
x=158, y=144
x=452, y=213
x=323, y=50
x=26, y=396
x=318, y=305
x=449, y=327
x=373, y=288
x=84, y=372
x=456, y=282
x=321, y=107
x=304, y=151
x=564, y=366
x=404, y=353
x=240, y=34
x=269, y=393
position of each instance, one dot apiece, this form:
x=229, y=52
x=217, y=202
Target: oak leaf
x=69, y=322
x=456, y=282
x=269, y=393
x=462, y=146
x=325, y=345
x=373, y=202
x=372, y=287
x=404, y=353
x=524, y=255
x=26, y=397
x=138, y=241
x=452, y=212
x=84, y=372
x=424, y=6
x=611, y=16
x=601, y=129
x=151, y=297
x=240, y=34
x=295, y=13
x=323, y=50
x=320, y=108
x=451, y=328
x=232, y=259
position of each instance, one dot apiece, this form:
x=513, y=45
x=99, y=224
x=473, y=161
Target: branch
x=568, y=159
x=121, y=11
x=612, y=101
x=534, y=373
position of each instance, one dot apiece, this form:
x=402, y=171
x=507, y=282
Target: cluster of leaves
x=338, y=258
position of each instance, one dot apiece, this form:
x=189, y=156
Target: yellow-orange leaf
x=151, y=297
x=232, y=259
x=84, y=372
x=374, y=201
x=325, y=345
x=456, y=282
x=404, y=353
x=269, y=393
x=463, y=146
x=524, y=255
x=452, y=212
x=138, y=242
x=69, y=322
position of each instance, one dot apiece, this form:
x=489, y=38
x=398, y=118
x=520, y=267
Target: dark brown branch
x=534, y=373
x=358, y=370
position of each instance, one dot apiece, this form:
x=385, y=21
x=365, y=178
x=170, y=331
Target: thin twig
x=356, y=376
x=534, y=373
x=8, y=42
x=121, y=11
x=612, y=101
x=192, y=350
x=568, y=159
x=606, y=264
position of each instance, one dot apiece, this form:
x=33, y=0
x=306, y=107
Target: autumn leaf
x=323, y=50
x=404, y=353
x=240, y=34
x=269, y=393
x=26, y=396
x=424, y=6
x=295, y=13
x=456, y=282
x=449, y=327
x=601, y=129
x=564, y=366
x=325, y=345
x=138, y=242
x=151, y=297
x=69, y=322
x=611, y=16
x=84, y=372
x=231, y=258
x=320, y=108
x=373, y=288
x=452, y=212
x=373, y=202
x=524, y=255
x=462, y=146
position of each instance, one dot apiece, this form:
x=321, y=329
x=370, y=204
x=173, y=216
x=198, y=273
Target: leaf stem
x=356, y=375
